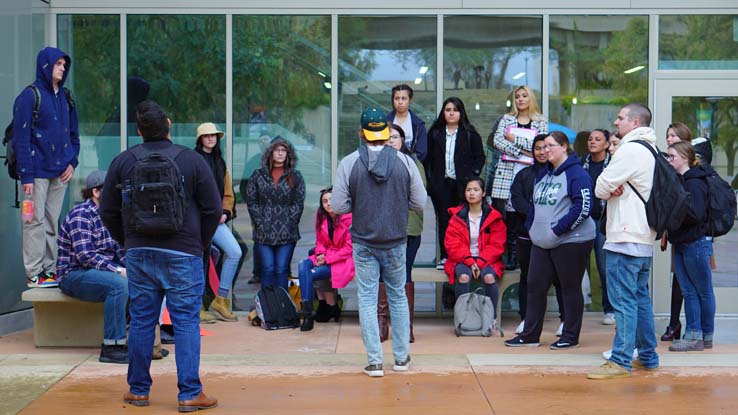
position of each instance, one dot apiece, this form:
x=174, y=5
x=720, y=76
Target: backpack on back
x=473, y=315
x=721, y=206
x=154, y=200
x=275, y=309
x=668, y=204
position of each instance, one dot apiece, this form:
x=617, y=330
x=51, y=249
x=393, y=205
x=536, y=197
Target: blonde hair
x=533, y=110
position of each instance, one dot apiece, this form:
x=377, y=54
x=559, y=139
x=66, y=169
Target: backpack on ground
x=473, y=315
x=721, y=206
x=10, y=161
x=275, y=309
x=154, y=200
x=668, y=204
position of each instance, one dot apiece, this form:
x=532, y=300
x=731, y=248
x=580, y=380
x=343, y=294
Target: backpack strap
x=36, y=112
x=70, y=98
x=644, y=143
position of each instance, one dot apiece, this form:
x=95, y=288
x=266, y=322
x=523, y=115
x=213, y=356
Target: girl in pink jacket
x=332, y=259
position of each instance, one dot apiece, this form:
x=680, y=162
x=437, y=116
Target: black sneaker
x=167, y=334
x=374, y=371
x=114, y=354
x=518, y=341
x=402, y=366
x=563, y=344
x=707, y=344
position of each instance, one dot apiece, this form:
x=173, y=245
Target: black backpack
x=276, y=309
x=668, y=204
x=154, y=200
x=721, y=206
x=10, y=160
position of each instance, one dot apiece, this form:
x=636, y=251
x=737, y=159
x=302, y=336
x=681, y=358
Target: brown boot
x=410, y=293
x=383, y=313
x=221, y=307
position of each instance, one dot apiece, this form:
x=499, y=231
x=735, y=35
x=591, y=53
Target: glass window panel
x=93, y=42
x=597, y=64
x=371, y=62
x=178, y=61
x=698, y=42
x=485, y=58
x=281, y=86
x=716, y=118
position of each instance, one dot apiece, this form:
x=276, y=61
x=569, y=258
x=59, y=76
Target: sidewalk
x=252, y=371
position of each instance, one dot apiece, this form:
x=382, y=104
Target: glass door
x=710, y=109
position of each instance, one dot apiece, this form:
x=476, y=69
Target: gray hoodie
x=378, y=187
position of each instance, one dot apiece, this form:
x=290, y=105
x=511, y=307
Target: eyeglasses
x=548, y=146
x=280, y=150
x=671, y=157
x=395, y=136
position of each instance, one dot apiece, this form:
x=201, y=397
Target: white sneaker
x=439, y=266
x=608, y=319
x=493, y=328
x=560, y=330
x=520, y=327
x=607, y=354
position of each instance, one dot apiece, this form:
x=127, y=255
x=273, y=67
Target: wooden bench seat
x=60, y=320
x=433, y=275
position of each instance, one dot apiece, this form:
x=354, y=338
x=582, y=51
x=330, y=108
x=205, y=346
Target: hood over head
x=45, y=61
x=291, y=161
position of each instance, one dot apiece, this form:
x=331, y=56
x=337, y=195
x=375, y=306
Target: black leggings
x=444, y=198
x=524, y=246
x=567, y=263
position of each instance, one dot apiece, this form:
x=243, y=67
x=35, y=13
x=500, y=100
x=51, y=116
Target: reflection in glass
x=182, y=59
x=597, y=64
x=372, y=61
x=93, y=42
x=281, y=87
x=716, y=118
x=485, y=57
x=698, y=42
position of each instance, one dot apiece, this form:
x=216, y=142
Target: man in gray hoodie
x=379, y=185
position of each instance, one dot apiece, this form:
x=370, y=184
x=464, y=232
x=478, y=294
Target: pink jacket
x=338, y=252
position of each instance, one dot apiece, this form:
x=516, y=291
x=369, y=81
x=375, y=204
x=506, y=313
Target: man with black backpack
x=628, y=178
x=163, y=205
x=45, y=143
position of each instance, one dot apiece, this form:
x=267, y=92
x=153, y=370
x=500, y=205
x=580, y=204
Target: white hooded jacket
x=626, y=214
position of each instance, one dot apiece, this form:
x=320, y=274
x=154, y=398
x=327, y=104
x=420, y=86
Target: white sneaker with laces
x=607, y=354
x=560, y=330
x=520, y=327
x=440, y=265
x=608, y=319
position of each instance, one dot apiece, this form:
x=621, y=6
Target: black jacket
x=521, y=195
x=694, y=226
x=468, y=157
x=203, y=203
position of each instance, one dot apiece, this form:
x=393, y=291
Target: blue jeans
x=308, y=272
x=101, y=286
x=370, y=264
x=152, y=274
x=692, y=269
x=602, y=269
x=275, y=263
x=228, y=245
x=627, y=287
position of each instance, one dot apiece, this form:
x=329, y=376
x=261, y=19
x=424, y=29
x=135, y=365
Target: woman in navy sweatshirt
x=562, y=234
x=692, y=250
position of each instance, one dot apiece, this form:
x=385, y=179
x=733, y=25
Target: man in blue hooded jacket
x=46, y=147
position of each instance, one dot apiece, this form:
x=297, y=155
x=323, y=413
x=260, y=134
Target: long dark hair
x=217, y=153
x=321, y=214
x=290, y=162
x=440, y=122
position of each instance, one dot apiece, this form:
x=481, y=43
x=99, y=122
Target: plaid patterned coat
x=504, y=173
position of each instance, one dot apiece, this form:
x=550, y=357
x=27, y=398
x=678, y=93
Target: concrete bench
x=60, y=320
x=433, y=275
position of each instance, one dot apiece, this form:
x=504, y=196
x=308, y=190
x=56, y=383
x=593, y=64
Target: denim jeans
x=370, y=263
x=152, y=274
x=101, y=286
x=602, y=269
x=275, y=263
x=627, y=287
x=692, y=269
x=228, y=245
x=308, y=272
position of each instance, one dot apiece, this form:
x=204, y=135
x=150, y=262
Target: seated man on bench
x=90, y=266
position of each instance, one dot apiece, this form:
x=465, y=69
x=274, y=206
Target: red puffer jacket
x=492, y=237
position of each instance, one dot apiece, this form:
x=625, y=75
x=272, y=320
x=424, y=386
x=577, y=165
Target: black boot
x=323, y=314
x=335, y=312
x=309, y=316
